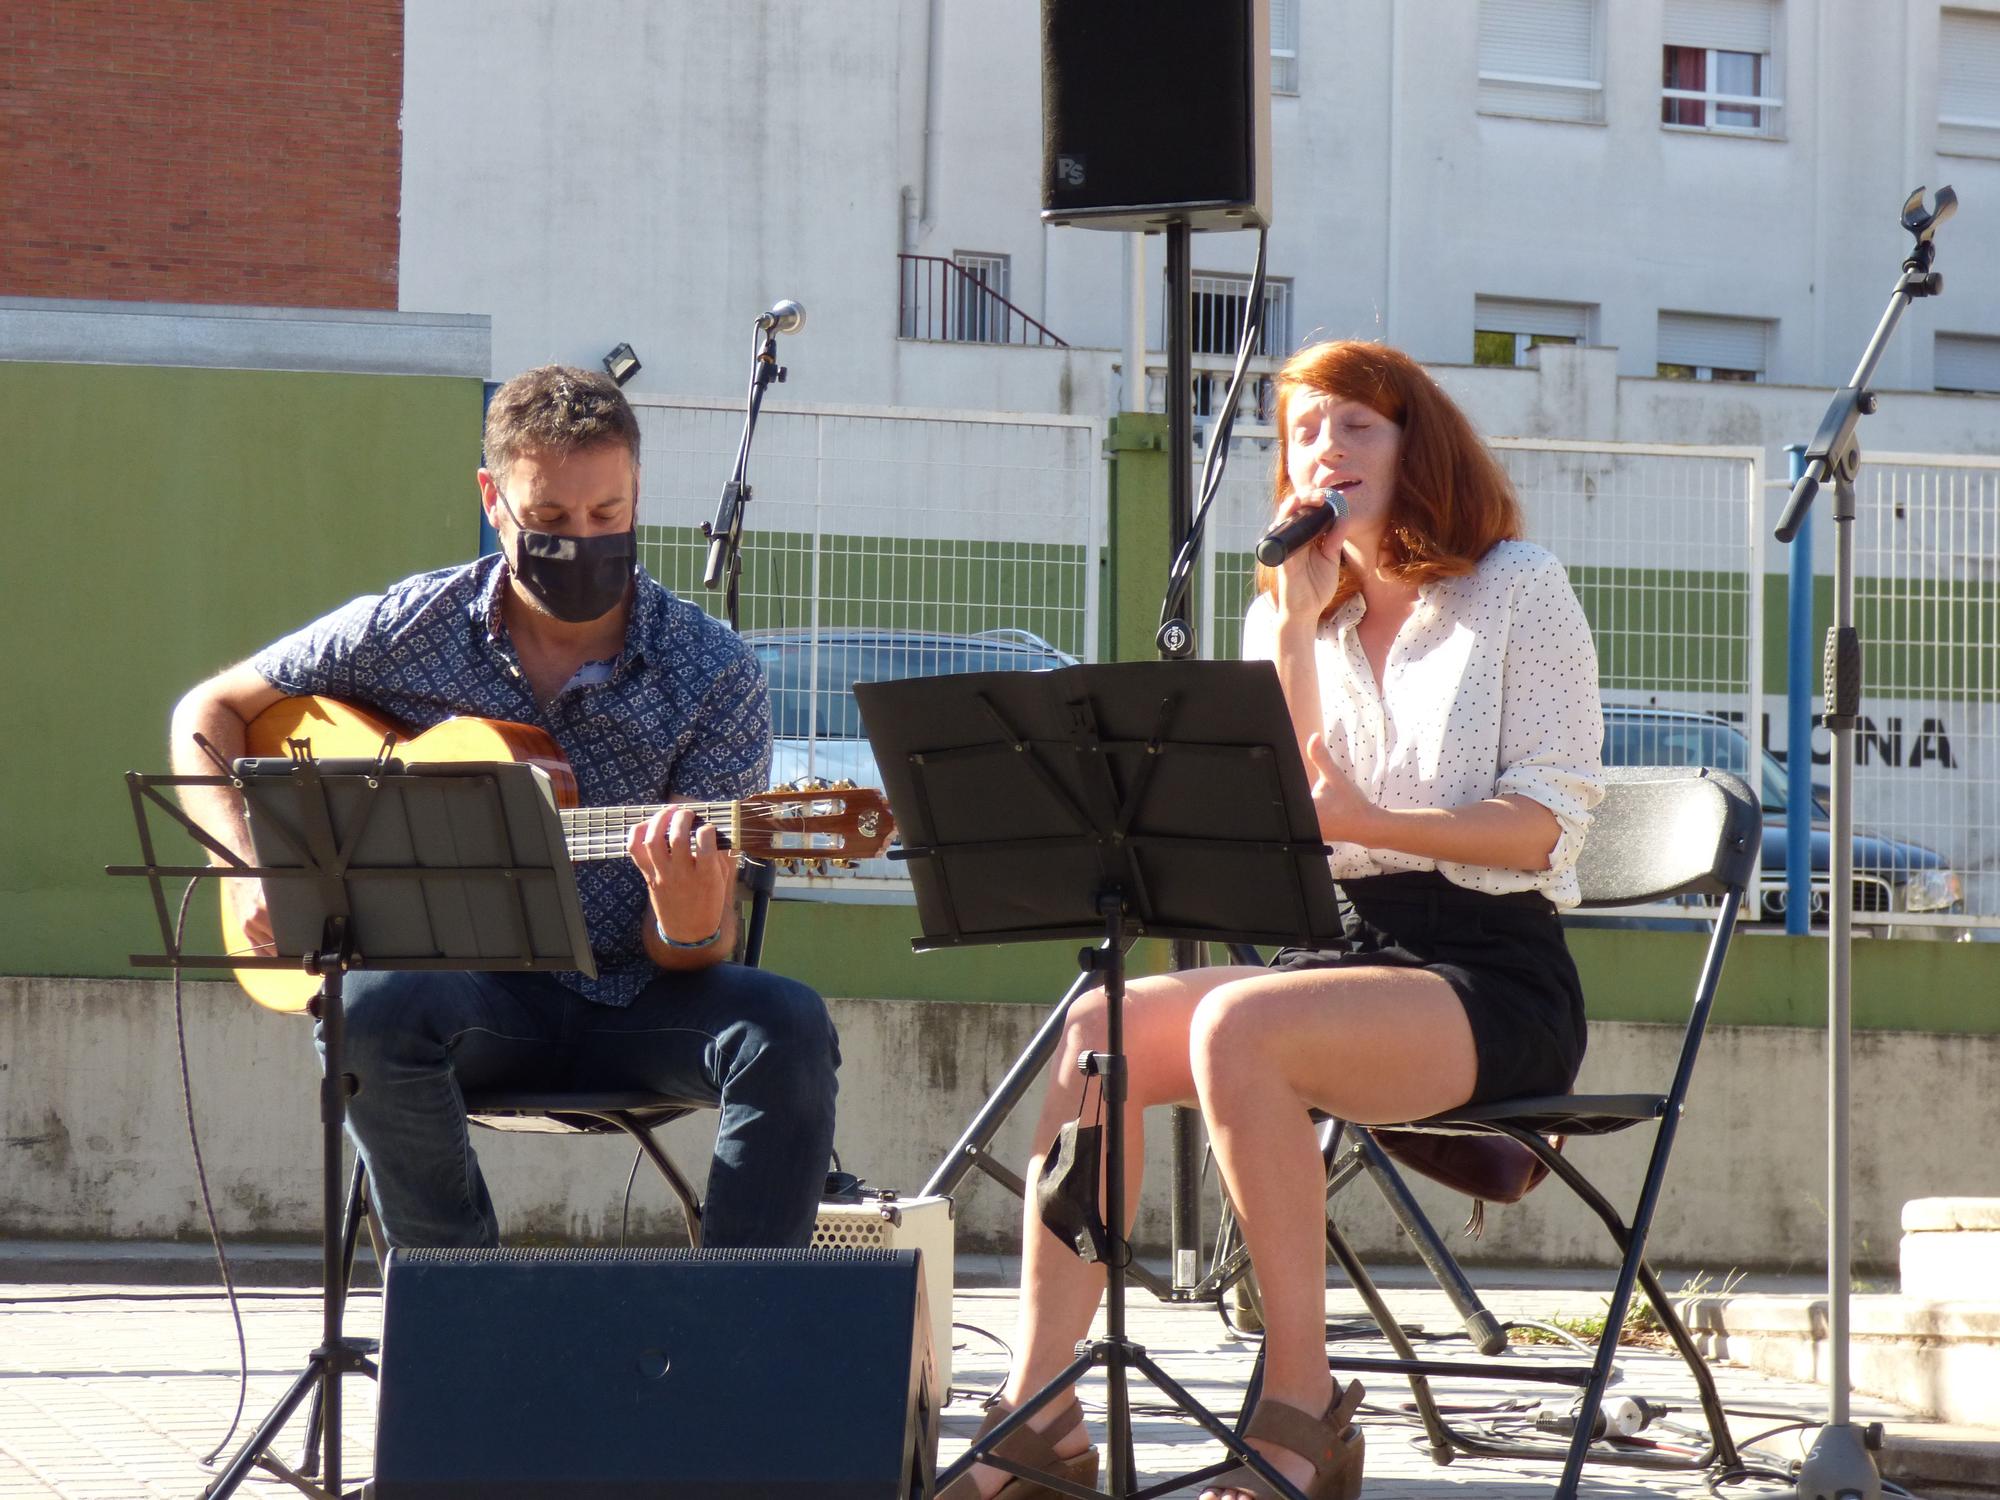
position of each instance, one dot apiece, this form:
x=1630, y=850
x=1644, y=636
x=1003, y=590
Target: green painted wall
x=162, y=523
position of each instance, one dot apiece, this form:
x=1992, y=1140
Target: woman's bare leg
x=1059, y=1292
x=1364, y=1044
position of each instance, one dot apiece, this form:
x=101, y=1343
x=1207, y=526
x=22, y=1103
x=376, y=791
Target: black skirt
x=1504, y=956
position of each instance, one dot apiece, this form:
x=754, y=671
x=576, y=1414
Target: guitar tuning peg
x=843, y=786
x=847, y=864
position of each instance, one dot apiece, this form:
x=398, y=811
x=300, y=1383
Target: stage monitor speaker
x=654, y=1374
x=1154, y=110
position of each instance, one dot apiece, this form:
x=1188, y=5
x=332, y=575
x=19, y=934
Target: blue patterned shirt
x=682, y=713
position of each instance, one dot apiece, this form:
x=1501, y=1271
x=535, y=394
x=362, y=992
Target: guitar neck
x=605, y=832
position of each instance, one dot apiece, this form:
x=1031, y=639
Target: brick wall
x=235, y=151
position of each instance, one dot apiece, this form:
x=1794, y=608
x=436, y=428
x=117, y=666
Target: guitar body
x=332, y=729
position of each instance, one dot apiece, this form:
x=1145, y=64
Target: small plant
x=1642, y=1327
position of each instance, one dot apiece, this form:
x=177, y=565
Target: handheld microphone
x=784, y=317
x=1281, y=541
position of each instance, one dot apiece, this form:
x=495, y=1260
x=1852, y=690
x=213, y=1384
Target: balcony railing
x=941, y=300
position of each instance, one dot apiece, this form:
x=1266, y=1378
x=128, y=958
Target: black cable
x=176, y=1294
x=1562, y=1333
x=958, y=1392
x=207, y=1202
x=1771, y=1432
x=1719, y=1477
x=1216, y=459
x=625, y=1212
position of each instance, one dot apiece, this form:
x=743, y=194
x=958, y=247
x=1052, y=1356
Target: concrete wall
x=90, y=1111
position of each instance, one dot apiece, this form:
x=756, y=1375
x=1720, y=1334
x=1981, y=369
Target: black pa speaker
x=655, y=1374
x=1155, y=110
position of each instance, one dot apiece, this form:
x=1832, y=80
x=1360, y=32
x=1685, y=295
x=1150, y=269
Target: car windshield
x=831, y=713
x=1642, y=741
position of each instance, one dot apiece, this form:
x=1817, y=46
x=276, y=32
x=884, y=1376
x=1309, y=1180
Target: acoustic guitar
x=793, y=827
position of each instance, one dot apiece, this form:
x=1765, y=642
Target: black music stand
x=368, y=865
x=1143, y=799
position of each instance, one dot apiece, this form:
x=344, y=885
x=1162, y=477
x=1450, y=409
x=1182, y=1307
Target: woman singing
x=1443, y=688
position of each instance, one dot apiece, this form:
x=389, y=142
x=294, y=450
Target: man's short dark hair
x=557, y=409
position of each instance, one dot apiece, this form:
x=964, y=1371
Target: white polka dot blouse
x=1489, y=689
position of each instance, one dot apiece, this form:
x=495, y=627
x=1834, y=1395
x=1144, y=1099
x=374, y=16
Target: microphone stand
x=1841, y=1463
x=725, y=566
x=725, y=532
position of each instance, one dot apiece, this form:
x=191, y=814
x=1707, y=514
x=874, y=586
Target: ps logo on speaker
x=1070, y=170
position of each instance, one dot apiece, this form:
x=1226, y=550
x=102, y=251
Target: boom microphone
x=785, y=317
x=1281, y=541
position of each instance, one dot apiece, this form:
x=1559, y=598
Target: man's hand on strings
x=688, y=874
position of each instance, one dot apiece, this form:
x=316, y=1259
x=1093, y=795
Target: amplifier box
x=883, y=1221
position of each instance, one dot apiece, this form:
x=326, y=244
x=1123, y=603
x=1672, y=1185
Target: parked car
x=1890, y=874
x=815, y=721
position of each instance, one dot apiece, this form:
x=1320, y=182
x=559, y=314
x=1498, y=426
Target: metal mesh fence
x=1661, y=546
x=1927, y=750
x=881, y=544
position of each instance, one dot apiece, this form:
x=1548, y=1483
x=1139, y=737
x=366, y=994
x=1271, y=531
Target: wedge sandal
x=1032, y=1450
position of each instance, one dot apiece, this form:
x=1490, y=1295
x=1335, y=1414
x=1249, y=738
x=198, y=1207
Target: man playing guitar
x=650, y=700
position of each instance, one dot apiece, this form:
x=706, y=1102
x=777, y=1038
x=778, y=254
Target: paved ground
x=114, y=1392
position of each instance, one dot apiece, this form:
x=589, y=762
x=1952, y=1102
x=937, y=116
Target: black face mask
x=574, y=578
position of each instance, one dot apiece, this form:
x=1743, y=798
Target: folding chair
x=1660, y=833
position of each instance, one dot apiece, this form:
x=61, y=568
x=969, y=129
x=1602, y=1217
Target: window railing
x=942, y=301
x=1767, y=123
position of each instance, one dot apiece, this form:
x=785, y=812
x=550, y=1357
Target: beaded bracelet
x=708, y=941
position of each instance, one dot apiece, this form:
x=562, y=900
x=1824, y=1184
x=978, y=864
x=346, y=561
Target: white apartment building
x=1700, y=195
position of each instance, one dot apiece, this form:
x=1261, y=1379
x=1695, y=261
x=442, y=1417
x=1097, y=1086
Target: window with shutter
x=1505, y=329
x=1541, y=59
x=1697, y=346
x=1719, y=71
x=1968, y=362
x=1969, y=83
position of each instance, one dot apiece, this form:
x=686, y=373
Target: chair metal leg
x=1420, y=1386
x=1633, y=1269
x=1487, y=1336
x=690, y=1204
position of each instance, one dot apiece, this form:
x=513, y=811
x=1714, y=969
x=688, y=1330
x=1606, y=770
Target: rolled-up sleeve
x=1551, y=719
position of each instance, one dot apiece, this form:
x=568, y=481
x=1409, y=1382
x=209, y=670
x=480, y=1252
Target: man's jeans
x=760, y=1046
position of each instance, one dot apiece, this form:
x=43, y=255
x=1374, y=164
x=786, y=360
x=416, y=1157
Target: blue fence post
x=489, y=539
x=1799, y=659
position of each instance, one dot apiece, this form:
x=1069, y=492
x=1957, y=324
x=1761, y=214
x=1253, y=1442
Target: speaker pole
x=1180, y=380
x=1184, y=1209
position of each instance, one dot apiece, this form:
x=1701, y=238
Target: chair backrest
x=1664, y=831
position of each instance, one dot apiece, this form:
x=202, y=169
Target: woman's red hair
x=1453, y=501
